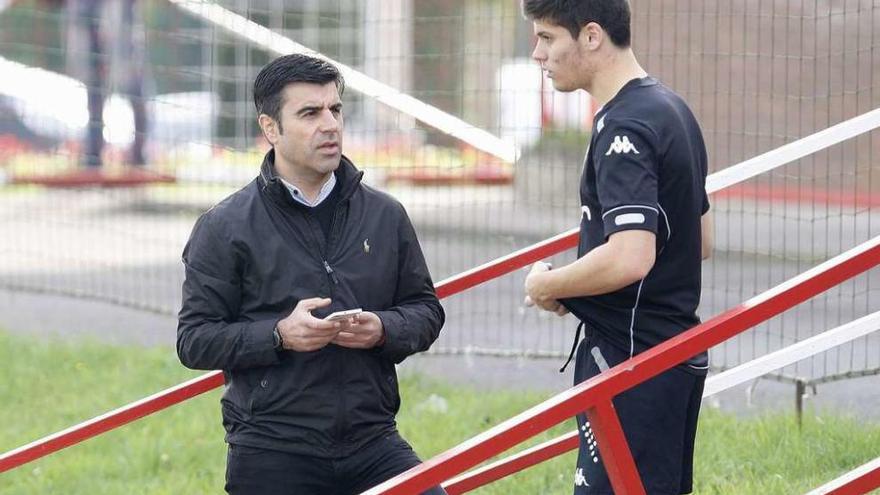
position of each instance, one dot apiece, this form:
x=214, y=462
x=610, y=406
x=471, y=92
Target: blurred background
x=122, y=120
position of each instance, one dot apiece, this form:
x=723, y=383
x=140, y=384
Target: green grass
x=48, y=386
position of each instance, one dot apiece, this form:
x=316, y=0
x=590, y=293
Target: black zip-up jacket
x=251, y=259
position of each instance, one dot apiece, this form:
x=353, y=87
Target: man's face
x=311, y=118
x=563, y=57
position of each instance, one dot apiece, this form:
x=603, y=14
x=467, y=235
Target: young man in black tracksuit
x=644, y=231
x=310, y=404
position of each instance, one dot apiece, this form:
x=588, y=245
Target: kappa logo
x=621, y=145
x=579, y=478
x=367, y=245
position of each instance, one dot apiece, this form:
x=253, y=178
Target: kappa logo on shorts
x=579, y=478
x=367, y=245
x=621, y=145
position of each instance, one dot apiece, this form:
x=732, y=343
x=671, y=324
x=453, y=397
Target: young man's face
x=564, y=58
x=311, y=118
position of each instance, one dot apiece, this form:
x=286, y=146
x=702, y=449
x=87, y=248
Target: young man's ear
x=591, y=36
x=269, y=127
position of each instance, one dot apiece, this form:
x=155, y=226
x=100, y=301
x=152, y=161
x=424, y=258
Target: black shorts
x=253, y=471
x=659, y=420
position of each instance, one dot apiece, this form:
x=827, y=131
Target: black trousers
x=252, y=471
x=659, y=420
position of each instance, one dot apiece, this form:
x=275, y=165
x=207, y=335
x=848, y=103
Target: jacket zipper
x=330, y=273
x=340, y=385
x=342, y=416
x=328, y=245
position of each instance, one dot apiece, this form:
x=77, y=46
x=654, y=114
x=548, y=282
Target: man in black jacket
x=310, y=404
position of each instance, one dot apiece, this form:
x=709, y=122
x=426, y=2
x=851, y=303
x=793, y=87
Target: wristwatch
x=278, y=342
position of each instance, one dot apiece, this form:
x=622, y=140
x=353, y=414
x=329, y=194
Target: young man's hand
x=302, y=332
x=364, y=331
x=536, y=294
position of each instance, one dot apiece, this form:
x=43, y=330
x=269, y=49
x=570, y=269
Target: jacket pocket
x=389, y=387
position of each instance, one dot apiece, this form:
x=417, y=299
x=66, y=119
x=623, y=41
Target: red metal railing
x=594, y=396
x=856, y=482
x=209, y=381
x=111, y=420
x=859, y=481
x=507, y=264
x=513, y=464
x=166, y=398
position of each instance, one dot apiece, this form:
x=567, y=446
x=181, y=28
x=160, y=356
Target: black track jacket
x=250, y=259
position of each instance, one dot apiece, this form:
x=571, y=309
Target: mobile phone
x=343, y=315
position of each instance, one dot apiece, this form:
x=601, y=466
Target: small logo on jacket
x=621, y=145
x=367, y=245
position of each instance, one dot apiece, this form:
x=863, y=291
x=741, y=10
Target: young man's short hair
x=612, y=15
x=294, y=68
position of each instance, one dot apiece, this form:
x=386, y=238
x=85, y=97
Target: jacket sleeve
x=209, y=333
x=415, y=320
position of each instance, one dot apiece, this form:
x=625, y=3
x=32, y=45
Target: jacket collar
x=348, y=178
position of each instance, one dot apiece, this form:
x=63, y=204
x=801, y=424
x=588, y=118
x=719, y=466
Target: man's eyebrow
x=308, y=107
x=311, y=107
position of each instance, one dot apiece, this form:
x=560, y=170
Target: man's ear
x=591, y=36
x=269, y=127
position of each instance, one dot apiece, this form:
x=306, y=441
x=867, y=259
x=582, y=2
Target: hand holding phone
x=343, y=315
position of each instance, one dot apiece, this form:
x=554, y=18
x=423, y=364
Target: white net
x=758, y=74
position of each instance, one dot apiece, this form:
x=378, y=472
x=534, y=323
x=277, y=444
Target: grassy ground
x=47, y=386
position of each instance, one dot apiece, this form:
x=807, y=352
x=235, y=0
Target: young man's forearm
x=626, y=258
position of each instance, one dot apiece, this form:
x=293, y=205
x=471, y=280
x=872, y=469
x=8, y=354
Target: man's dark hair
x=294, y=68
x=612, y=15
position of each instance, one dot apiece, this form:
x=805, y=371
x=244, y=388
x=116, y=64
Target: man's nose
x=330, y=121
x=538, y=54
